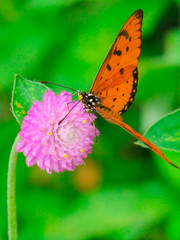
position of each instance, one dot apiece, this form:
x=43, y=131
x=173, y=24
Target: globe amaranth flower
x=52, y=141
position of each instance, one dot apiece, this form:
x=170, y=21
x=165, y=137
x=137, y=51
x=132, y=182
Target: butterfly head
x=89, y=101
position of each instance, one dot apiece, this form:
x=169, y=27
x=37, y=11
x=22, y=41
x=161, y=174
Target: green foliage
x=65, y=42
x=119, y=219
x=25, y=92
x=165, y=133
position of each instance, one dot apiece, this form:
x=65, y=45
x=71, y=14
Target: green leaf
x=165, y=133
x=25, y=92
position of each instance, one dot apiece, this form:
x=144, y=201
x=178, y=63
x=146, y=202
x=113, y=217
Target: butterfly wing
x=115, y=118
x=116, y=81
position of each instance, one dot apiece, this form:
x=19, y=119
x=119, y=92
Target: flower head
x=51, y=138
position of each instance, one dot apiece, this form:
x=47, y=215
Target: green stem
x=11, y=193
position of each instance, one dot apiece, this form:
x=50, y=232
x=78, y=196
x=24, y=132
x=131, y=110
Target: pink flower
x=52, y=144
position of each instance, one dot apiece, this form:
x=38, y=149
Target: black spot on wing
x=124, y=33
x=108, y=67
x=117, y=52
x=121, y=71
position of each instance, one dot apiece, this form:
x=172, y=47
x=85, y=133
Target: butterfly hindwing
x=116, y=80
x=117, y=119
x=120, y=97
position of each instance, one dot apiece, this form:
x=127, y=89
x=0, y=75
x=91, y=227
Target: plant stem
x=11, y=192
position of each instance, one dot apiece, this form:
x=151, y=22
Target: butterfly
x=115, y=85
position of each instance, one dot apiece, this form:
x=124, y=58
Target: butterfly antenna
x=59, y=85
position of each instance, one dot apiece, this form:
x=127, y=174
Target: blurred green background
x=123, y=191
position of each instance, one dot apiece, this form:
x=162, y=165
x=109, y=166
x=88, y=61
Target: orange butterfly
x=115, y=86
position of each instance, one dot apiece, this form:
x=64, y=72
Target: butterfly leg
x=68, y=113
x=77, y=92
x=70, y=103
x=93, y=126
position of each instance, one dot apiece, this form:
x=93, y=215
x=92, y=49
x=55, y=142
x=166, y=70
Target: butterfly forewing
x=116, y=80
